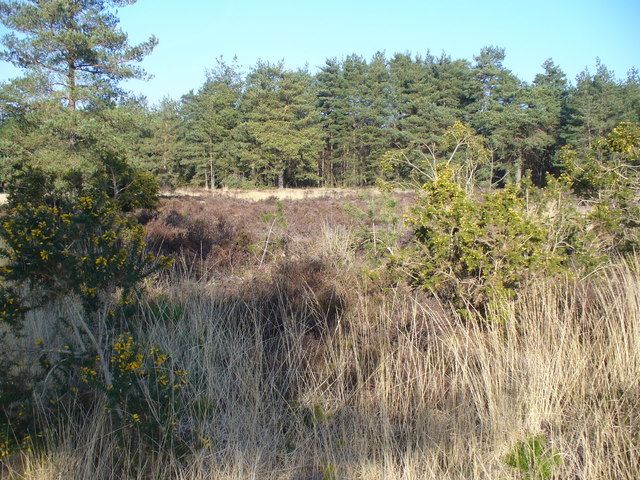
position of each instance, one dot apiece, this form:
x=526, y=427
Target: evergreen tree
x=374, y=137
x=283, y=125
x=333, y=109
x=73, y=54
x=498, y=111
x=429, y=94
x=595, y=107
x=161, y=146
x=212, y=119
x=631, y=96
x=546, y=104
x=74, y=46
x=366, y=117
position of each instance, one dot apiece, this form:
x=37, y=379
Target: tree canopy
x=275, y=126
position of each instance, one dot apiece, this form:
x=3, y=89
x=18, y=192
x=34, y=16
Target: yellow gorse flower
x=101, y=262
x=125, y=357
x=87, y=374
x=5, y=449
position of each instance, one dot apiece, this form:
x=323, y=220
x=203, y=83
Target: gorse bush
x=471, y=250
x=569, y=229
x=144, y=388
x=71, y=238
x=607, y=176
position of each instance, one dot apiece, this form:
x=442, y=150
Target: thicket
x=473, y=246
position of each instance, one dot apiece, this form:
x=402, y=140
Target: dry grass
x=396, y=388
x=272, y=193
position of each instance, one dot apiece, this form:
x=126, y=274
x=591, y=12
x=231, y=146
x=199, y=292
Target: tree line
x=292, y=128
x=275, y=126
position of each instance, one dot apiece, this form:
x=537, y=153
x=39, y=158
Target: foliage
x=595, y=106
x=68, y=103
x=282, y=125
x=338, y=127
x=71, y=238
x=608, y=176
x=471, y=250
x=459, y=148
x=74, y=44
x=377, y=224
x=533, y=458
x=569, y=228
x=213, y=135
x=144, y=388
x=160, y=146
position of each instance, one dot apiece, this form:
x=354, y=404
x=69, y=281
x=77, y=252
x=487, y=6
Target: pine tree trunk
x=73, y=94
x=518, y=172
x=281, y=179
x=71, y=85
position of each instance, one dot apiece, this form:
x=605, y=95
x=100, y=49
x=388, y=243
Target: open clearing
x=279, y=194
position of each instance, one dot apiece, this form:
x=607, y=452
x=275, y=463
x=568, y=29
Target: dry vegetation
x=302, y=368
x=271, y=193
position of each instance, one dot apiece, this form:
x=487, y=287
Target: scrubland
x=303, y=365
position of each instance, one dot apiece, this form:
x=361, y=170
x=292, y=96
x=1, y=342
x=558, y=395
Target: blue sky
x=193, y=33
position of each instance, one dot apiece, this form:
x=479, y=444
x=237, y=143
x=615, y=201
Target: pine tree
x=74, y=46
x=332, y=105
x=546, y=103
x=73, y=54
x=212, y=120
x=283, y=125
x=160, y=148
x=498, y=110
x=595, y=107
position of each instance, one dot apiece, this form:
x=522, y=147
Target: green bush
x=70, y=242
x=376, y=230
x=569, y=228
x=143, y=391
x=607, y=177
x=70, y=238
x=533, y=458
x=470, y=250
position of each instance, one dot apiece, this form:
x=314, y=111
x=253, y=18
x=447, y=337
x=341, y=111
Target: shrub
x=214, y=241
x=469, y=250
x=568, y=227
x=144, y=392
x=533, y=458
x=67, y=242
x=69, y=237
x=608, y=176
x=377, y=223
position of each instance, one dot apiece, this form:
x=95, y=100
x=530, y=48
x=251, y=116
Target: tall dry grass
x=394, y=388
